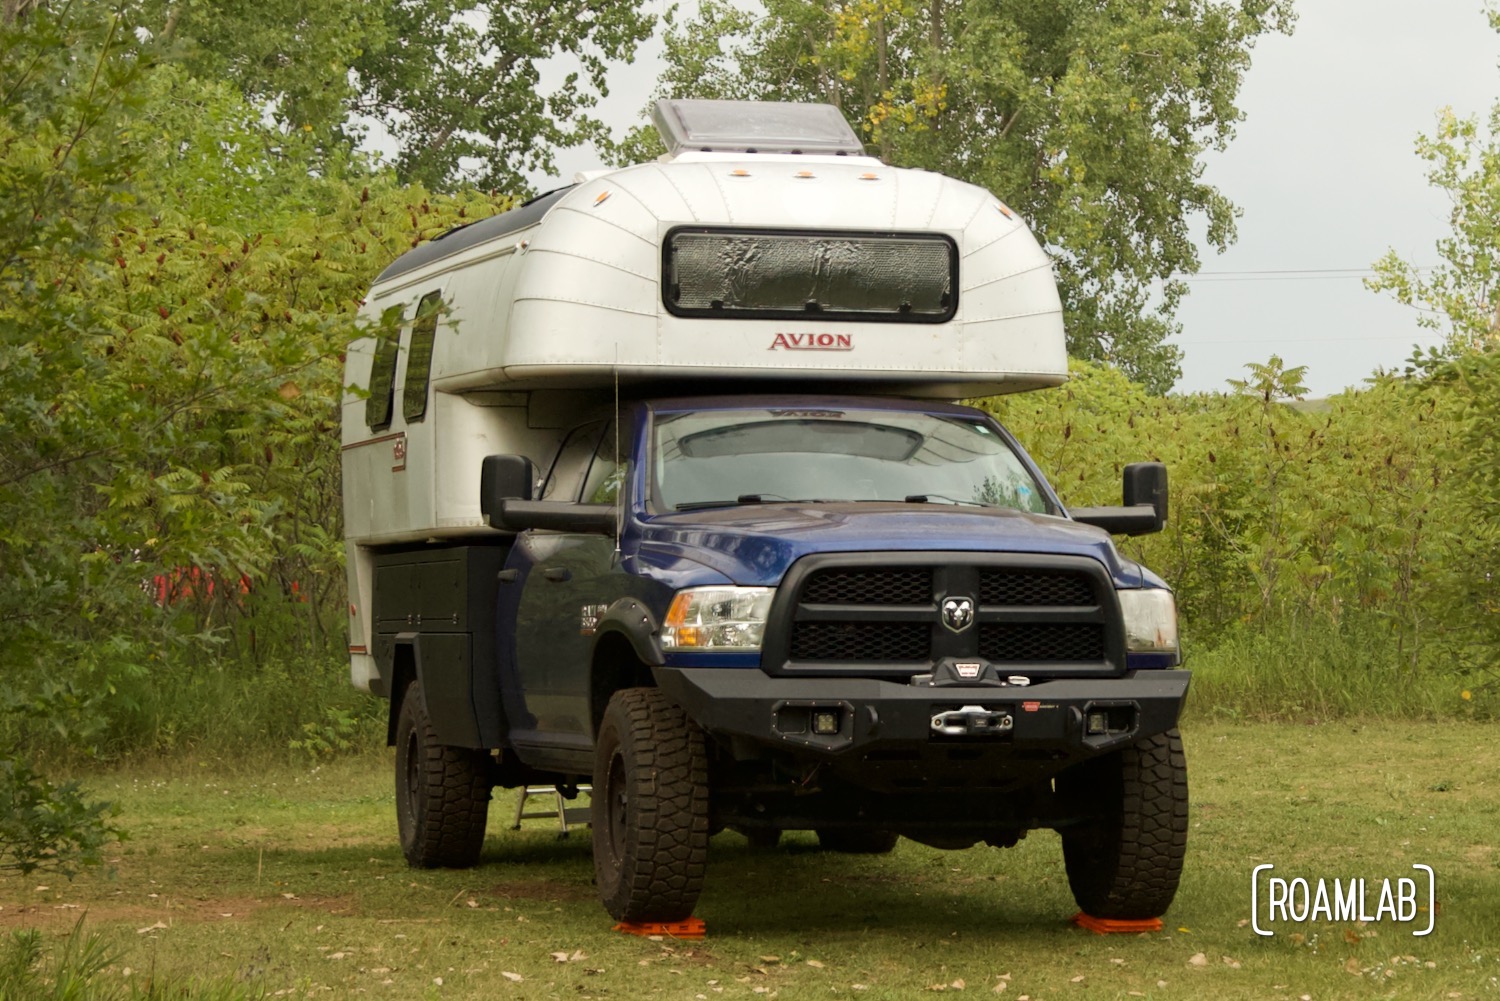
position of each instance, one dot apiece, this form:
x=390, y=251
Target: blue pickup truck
x=652, y=486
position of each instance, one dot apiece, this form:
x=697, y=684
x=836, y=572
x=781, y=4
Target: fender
x=442, y=667
x=634, y=621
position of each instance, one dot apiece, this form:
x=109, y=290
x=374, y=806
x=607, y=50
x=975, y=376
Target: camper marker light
x=1150, y=620
x=726, y=619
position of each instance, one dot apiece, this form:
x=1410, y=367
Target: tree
x=456, y=82
x=1461, y=297
x=1090, y=118
x=177, y=282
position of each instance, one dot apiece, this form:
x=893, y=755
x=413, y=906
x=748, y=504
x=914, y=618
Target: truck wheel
x=442, y=793
x=650, y=807
x=1125, y=861
x=857, y=842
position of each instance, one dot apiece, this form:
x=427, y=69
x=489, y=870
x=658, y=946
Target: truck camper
x=653, y=485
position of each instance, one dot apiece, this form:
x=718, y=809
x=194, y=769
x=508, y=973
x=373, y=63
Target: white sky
x=1324, y=170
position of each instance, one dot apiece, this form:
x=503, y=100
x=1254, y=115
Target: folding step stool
x=568, y=817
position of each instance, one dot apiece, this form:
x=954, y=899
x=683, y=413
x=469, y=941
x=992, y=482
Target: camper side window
x=566, y=477
x=419, y=357
x=379, y=403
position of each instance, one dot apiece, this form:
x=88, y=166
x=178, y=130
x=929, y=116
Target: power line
x=1307, y=341
x=1284, y=274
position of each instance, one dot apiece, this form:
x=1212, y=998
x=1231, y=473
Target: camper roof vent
x=754, y=127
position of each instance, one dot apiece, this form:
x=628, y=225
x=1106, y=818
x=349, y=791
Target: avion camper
x=658, y=490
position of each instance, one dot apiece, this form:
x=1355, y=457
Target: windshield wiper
x=741, y=499
x=929, y=498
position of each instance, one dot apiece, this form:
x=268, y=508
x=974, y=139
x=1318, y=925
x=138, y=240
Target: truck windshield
x=717, y=458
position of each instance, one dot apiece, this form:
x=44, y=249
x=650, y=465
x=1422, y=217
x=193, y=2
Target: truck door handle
x=557, y=574
x=508, y=576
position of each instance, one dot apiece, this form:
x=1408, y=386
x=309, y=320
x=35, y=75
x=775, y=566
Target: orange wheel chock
x=689, y=928
x=1110, y=926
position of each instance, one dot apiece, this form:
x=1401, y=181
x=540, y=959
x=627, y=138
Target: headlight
x=1150, y=620
x=730, y=619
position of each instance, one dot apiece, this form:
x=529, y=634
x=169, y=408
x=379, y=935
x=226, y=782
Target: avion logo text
x=813, y=342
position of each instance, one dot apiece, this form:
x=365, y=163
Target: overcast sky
x=1324, y=170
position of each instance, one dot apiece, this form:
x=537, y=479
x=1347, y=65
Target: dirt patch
x=52, y=915
x=539, y=889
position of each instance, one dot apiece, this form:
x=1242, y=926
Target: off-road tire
x=650, y=808
x=855, y=841
x=1124, y=862
x=442, y=793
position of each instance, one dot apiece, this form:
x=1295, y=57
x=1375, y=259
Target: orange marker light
x=739, y=173
x=603, y=197
x=869, y=177
x=1004, y=211
x=803, y=173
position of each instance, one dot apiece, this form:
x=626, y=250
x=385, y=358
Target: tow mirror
x=1145, y=509
x=502, y=478
x=1146, y=483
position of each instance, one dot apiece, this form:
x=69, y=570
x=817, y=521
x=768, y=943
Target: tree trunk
x=13, y=10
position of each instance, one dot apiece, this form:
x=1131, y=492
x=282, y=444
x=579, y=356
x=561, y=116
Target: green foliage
x=1091, y=119
x=1461, y=297
x=47, y=827
x=458, y=84
x=80, y=970
x=177, y=284
x=1304, y=540
x=335, y=733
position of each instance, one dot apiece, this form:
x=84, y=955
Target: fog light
x=1098, y=723
x=826, y=722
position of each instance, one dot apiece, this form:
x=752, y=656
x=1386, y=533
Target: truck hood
x=755, y=544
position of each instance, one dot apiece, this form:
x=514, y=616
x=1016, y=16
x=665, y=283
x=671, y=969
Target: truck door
x=565, y=578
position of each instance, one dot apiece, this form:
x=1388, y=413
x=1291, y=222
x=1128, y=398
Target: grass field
x=288, y=880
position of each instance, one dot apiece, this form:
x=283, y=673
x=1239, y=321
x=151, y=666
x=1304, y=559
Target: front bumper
x=1061, y=720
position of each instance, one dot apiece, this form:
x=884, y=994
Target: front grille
x=856, y=614
x=860, y=641
x=869, y=587
x=1031, y=587
x=1041, y=641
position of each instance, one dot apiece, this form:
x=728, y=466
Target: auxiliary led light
x=826, y=722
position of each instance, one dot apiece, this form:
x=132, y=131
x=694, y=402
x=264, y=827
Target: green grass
x=1300, y=672
x=287, y=879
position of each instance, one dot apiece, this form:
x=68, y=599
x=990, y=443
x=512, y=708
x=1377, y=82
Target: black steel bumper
x=832, y=718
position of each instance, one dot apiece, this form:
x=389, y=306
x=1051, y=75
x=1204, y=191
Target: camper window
x=905, y=277
x=419, y=357
x=379, y=403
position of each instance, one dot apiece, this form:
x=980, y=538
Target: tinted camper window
x=419, y=360
x=379, y=403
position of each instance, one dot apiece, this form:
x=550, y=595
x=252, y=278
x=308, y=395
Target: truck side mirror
x=504, y=477
x=1145, y=509
x=1146, y=483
